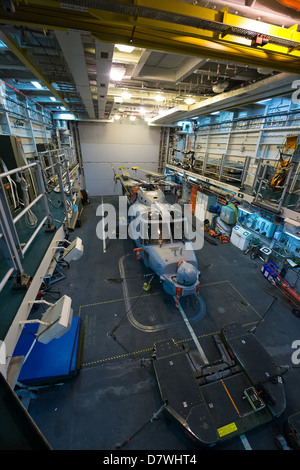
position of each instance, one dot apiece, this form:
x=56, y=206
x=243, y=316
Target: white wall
x=107, y=144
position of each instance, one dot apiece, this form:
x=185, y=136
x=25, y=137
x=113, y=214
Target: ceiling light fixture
x=37, y=84
x=220, y=87
x=126, y=95
x=159, y=98
x=117, y=117
x=132, y=118
x=124, y=48
x=52, y=98
x=118, y=99
x=264, y=70
x=117, y=73
x=67, y=116
x=189, y=101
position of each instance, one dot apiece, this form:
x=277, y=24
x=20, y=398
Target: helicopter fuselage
x=160, y=237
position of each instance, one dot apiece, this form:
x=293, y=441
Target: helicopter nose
x=186, y=273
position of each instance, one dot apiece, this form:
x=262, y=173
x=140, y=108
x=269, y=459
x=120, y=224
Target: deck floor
x=114, y=395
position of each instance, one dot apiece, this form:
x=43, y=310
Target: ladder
x=163, y=148
x=284, y=178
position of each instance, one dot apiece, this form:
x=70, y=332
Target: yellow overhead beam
x=166, y=26
x=189, y=45
x=26, y=60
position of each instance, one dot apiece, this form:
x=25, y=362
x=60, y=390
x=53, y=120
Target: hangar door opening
x=108, y=145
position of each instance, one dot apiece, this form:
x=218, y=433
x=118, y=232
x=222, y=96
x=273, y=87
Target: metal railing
x=250, y=174
x=60, y=167
x=13, y=250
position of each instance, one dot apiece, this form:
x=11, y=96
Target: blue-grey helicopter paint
x=160, y=233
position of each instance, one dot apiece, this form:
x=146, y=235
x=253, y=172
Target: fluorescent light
x=124, y=48
x=66, y=116
x=63, y=108
x=216, y=112
x=52, y=98
x=126, y=95
x=292, y=235
x=117, y=116
x=181, y=123
x=159, y=98
x=118, y=99
x=117, y=73
x=132, y=118
x=189, y=101
x=37, y=84
x=142, y=111
x=263, y=101
x=245, y=210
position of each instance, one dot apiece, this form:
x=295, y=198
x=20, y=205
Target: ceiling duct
x=220, y=87
x=71, y=44
x=267, y=88
x=104, y=55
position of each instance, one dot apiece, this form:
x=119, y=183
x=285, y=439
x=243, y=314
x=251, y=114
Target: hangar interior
x=201, y=101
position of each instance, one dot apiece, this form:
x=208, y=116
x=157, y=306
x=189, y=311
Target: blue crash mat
x=48, y=362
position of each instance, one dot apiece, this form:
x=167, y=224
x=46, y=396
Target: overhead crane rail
x=173, y=26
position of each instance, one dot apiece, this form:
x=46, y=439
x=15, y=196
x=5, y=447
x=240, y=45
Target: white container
x=235, y=238
x=240, y=237
x=244, y=239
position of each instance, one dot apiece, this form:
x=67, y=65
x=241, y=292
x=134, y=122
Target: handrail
x=17, y=170
x=5, y=278
x=8, y=223
x=25, y=248
x=27, y=208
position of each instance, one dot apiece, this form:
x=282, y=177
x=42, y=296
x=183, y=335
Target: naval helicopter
x=160, y=232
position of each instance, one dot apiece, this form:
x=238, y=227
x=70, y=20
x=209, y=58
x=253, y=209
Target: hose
x=30, y=218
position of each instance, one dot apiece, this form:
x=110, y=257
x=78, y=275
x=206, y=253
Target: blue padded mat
x=48, y=362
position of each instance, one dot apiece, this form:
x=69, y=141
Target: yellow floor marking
x=106, y=359
x=229, y=282
x=244, y=299
x=213, y=283
x=115, y=300
x=99, y=361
